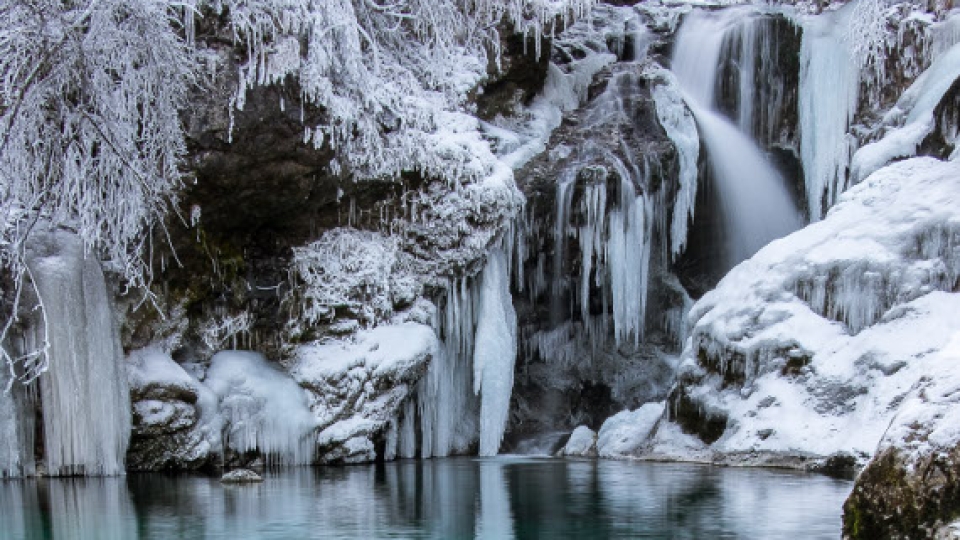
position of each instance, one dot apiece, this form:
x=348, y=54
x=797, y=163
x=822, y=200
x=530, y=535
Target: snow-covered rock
x=356, y=386
x=625, y=432
x=582, y=443
x=810, y=348
x=909, y=489
x=241, y=476
x=175, y=422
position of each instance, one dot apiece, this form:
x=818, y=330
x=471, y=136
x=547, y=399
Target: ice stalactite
x=754, y=199
x=86, y=403
x=614, y=242
x=495, y=352
x=829, y=92
x=447, y=405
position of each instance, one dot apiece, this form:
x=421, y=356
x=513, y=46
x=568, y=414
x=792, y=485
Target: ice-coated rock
x=582, y=443
x=241, y=476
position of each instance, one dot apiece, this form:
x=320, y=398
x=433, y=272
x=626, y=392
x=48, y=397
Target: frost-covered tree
x=90, y=139
x=91, y=92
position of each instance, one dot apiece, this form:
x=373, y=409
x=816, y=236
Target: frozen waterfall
x=756, y=204
x=86, y=403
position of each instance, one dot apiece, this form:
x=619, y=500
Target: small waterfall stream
x=754, y=199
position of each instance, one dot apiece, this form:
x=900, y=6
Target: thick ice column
x=84, y=394
x=495, y=352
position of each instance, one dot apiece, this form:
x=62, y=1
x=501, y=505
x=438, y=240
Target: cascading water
x=756, y=205
x=84, y=394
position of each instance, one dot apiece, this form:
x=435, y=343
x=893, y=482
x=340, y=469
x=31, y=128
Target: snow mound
x=262, y=407
x=175, y=418
x=812, y=346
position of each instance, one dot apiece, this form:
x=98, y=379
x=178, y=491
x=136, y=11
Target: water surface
x=497, y=498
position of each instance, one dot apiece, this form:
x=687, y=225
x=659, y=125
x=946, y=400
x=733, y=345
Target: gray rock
x=241, y=476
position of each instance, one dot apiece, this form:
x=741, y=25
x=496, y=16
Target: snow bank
x=810, y=347
x=262, y=407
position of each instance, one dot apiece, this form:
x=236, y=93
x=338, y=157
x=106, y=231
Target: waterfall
x=16, y=429
x=84, y=394
x=756, y=204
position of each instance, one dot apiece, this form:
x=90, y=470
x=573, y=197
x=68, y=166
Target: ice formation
x=86, y=403
x=582, y=442
x=756, y=205
x=623, y=433
x=682, y=130
x=263, y=408
x=16, y=430
x=911, y=119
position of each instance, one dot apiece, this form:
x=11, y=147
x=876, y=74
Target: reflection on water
x=499, y=498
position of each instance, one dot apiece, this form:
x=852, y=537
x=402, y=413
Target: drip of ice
x=829, y=89
x=495, y=352
x=86, y=403
x=756, y=204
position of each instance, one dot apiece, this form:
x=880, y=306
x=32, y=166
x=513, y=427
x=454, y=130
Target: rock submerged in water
x=241, y=476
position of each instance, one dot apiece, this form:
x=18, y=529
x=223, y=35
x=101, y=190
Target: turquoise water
x=462, y=498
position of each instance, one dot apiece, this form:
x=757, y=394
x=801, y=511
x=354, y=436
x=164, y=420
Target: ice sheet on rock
x=625, y=432
x=681, y=128
x=263, y=408
x=582, y=442
x=911, y=119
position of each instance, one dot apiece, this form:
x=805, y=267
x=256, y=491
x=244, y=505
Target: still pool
x=461, y=498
